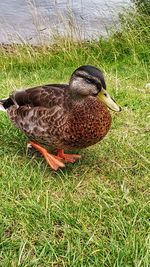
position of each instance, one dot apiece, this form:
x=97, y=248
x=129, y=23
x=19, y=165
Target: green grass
x=94, y=212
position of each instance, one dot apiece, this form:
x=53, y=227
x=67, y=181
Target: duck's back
x=45, y=96
x=39, y=112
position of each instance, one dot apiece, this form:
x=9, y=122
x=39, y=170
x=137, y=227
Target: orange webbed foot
x=55, y=162
x=71, y=158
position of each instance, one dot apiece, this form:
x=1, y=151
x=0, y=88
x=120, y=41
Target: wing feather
x=39, y=123
x=45, y=96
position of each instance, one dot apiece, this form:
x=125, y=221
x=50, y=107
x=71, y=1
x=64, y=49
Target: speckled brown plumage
x=63, y=116
x=79, y=125
x=89, y=123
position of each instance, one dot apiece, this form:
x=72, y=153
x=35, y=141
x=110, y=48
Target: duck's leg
x=68, y=157
x=55, y=162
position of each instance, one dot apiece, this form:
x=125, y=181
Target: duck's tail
x=5, y=103
x=1, y=106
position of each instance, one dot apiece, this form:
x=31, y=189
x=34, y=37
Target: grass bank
x=95, y=212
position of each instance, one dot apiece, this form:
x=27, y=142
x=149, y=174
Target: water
x=35, y=21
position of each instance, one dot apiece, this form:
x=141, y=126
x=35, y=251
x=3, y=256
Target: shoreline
x=37, y=24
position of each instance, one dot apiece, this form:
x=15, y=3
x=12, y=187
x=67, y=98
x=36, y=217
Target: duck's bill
x=108, y=100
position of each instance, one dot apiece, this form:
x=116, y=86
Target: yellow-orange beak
x=108, y=100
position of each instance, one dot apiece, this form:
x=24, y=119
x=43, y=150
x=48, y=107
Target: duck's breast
x=88, y=123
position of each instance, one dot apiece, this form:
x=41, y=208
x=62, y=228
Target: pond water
x=36, y=21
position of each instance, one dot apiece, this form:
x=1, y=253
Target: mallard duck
x=64, y=116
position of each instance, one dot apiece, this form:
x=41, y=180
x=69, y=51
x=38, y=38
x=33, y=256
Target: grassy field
x=96, y=212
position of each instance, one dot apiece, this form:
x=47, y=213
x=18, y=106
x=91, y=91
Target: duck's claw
x=55, y=162
x=68, y=157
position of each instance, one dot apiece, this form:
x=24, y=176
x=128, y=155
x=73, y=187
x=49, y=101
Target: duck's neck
x=71, y=97
x=74, y=91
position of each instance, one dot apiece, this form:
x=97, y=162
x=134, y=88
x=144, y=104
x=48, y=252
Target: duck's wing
x=39, y=112
x=41, y=96
x=40, y=123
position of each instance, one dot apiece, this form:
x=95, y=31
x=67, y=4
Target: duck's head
x=89, y=81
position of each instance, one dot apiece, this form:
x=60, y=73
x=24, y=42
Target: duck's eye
x=88, y=80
